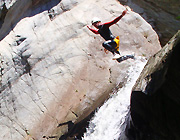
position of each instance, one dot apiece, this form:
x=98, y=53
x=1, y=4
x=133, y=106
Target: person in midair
x=111, y=43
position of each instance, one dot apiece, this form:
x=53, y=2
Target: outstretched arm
x=93, y=30
x=116, y=19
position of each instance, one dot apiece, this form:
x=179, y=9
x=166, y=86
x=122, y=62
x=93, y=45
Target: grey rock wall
x=155, y=99
x=163, y=15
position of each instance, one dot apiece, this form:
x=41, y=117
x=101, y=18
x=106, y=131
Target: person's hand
x=106, y=51
x=88, y=26
x=124, y=12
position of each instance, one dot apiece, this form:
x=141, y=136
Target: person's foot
x=116, y=56
x=133, y=56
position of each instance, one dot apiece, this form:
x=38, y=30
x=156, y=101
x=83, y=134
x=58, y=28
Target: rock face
x=155, y=99
x=53, y=69
x=168, y=6
x=163, y=15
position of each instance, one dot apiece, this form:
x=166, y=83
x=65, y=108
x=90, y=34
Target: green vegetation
x=178, y=17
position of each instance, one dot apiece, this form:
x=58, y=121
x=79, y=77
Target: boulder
x=54, y=70
x=155, y=99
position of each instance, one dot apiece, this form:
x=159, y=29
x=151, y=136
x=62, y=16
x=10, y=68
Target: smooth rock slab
x=54, y=70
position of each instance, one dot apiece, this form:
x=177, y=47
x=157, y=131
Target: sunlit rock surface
x=54, y=70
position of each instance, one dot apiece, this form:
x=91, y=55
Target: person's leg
x=110, y=46
x=117, y=52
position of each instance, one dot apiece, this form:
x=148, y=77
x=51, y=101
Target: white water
x=108, y=120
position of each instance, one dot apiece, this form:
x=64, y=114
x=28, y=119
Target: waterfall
x=107, y=124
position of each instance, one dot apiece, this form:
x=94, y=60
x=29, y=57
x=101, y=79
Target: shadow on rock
x=30, y=10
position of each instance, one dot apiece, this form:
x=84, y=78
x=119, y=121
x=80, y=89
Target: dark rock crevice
x=155, y=114
x=75, y=131
x=3, y=13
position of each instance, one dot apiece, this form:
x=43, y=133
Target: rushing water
x=107, y=124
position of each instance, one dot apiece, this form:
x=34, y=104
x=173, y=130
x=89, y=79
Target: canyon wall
x=155, y=99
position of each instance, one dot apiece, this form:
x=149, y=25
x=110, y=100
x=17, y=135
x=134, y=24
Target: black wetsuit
x=109, y=44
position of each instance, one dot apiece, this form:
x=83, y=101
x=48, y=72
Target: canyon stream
x=108, y=122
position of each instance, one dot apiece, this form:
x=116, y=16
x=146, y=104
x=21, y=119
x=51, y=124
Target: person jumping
x=112, y=43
